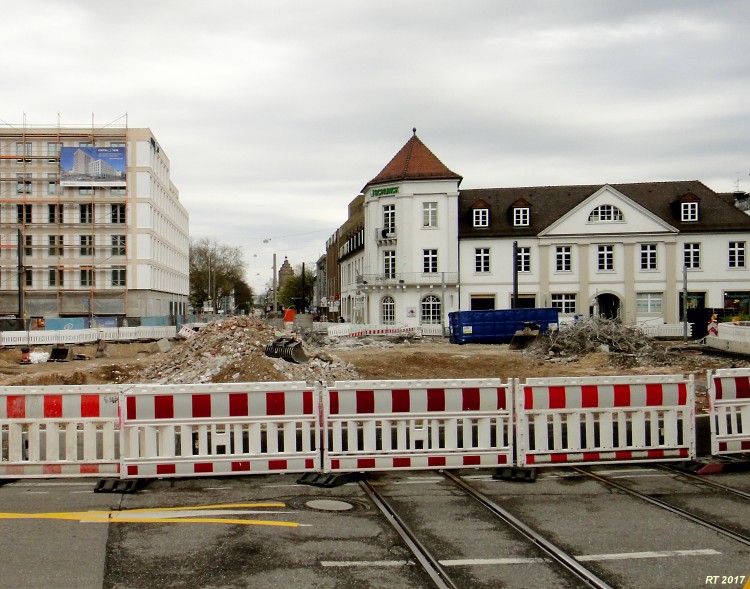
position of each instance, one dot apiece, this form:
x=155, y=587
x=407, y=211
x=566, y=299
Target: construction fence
x=154, y=431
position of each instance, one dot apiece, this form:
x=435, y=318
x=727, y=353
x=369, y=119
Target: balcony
x=431, y=279
x=385, y=235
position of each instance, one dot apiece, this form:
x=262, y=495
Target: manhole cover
x=329, y=505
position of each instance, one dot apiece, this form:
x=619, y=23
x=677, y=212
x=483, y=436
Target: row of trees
x=217, y=271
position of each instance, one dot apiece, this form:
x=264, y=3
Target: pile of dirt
x=232, y=350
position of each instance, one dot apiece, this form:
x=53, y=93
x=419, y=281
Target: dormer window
x=521, y=217
x=687, y=208
x=481, y=218
x=689, y=211
x=605, y=214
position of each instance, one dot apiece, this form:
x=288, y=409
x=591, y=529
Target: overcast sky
x=275, y=114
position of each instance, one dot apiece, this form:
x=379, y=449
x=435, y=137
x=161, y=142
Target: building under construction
x=90, y=224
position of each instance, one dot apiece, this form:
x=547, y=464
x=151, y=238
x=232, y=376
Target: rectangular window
x=692, y=255
x=564, y=303
x=53, y=151
x=689, y=211
x=55, y=245
x=482, y=259
x=28, y=250
x=736, y=254
x=481, y=217
x=521, y=217
x=523, y=259
x=118, y=276
x=118, y=245
x=23, y=183
x=389, y=264
x=86, y=212
x=118, y=191
x=28, y=277
x=87, y=277
x=52, y=275
x=87, y=241
x=51, y=184
x=55, y=213
x=648, y=256
x=606, y=257
x=429, y=261
x=118, y=213
x=85, y=190
x=648, y=302
x=23, y=213
x=429, y=214
x=23, y=149
x=389, y=218
x=563, y=257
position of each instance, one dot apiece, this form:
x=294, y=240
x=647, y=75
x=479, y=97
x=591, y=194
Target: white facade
x=90, y=250
x=407, y=272
x=638, y=252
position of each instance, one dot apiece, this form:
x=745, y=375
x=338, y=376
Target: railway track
x=432, y=565
x=693, y=517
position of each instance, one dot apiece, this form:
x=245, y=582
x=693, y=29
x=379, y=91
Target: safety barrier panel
x=605, y=420
x=261, y=428
x=432, y=424
x=666, y=329
x=59, y=431
x=219, y=429
x=729, y=401
x=14, y=338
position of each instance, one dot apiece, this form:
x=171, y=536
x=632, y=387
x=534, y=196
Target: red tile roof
x=414, y=162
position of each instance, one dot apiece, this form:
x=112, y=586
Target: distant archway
x=607, y=305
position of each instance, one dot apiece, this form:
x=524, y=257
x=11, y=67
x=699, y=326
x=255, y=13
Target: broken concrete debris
x=232, y=350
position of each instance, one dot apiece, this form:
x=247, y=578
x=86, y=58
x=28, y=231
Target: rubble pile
x=232, y=350
x=626, y=344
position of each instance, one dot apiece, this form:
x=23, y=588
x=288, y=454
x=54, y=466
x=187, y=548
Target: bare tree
x=215, y=269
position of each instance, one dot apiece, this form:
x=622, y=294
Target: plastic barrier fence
x=729, y=399
x=58, y=431
x=605, y=420
x=392, y=425
x=219, y=429
x=84, y=336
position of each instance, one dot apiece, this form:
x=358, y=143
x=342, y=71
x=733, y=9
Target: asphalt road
x=270, y=531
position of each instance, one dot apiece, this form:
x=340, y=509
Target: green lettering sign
x=383, y=191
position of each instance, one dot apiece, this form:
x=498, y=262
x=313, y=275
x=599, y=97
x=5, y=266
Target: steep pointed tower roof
x=414, y=162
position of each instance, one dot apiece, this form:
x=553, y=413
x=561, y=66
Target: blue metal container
x=497, y=326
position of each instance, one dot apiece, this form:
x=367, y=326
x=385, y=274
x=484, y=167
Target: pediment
x=634, y=217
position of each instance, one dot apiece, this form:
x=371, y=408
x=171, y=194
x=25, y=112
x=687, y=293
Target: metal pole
x=275, y=299
x=514, y=304
x=20, y=275
x=684, y=304
x=302, y=310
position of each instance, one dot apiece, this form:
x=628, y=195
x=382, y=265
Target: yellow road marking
x=124, y=517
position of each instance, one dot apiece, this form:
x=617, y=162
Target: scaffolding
x=63, y=250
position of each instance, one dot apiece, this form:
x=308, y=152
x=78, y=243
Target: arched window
x=605, y=214
x=431, y=310
x=387, y=311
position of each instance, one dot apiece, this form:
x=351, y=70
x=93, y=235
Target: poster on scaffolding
x=93, y=166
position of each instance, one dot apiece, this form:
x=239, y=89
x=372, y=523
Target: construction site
x=233, y=351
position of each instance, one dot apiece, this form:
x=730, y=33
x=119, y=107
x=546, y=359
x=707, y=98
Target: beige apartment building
x=90, y=224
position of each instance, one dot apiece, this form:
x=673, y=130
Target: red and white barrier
x=605, y=420
x=219, y=429
x=431, y=424
x=729, y=402
x=58, y=431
